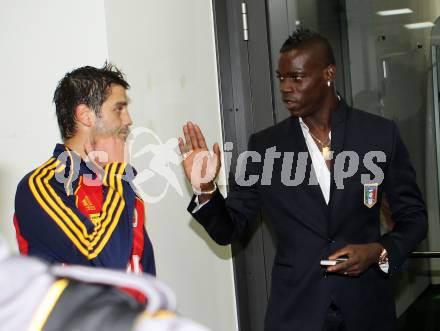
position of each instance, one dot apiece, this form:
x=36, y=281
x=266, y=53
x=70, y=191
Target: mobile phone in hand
x=333, y=262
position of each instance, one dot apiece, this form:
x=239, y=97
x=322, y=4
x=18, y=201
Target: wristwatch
x=383, y=257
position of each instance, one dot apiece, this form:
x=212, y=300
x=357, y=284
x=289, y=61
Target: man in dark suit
x=320, y=175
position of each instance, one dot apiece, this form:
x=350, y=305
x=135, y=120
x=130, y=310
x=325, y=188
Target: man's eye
x=290, y=78
x=283, y=78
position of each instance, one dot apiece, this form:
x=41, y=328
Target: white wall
x=167, y=50
x=40, y=42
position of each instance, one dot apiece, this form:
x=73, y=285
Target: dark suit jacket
x=309, y=230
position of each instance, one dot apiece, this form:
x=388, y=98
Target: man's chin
x=294, y=108
x=295, y=112
x=123, y=136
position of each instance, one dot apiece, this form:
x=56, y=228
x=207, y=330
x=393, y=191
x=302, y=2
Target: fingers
x=200, y=138
x=353, y=271
x=184, y=150
x=194, y=139
x=192, y=135
x=181, y=146
x=340, y=252
x=341, y=267
x=352, y=266
x=216, y=149
x=188, y=143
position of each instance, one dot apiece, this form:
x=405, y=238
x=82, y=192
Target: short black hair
x=86, y=85
x=308, y=39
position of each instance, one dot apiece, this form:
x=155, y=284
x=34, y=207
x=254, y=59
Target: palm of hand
x=200, y=165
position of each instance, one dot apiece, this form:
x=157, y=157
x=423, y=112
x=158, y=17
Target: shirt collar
x=303, y=125
x=69, y=157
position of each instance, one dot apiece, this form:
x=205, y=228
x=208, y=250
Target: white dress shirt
x=321, y=170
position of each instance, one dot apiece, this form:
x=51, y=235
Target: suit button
x=331, y=241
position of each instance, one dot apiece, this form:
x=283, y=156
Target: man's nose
x=286, y=86
x=127, y=119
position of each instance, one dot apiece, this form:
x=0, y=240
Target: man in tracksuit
x=79, y=207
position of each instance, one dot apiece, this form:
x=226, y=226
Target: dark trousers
x=334, y=320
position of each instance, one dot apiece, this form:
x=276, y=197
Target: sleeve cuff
x=384, y=267
x=198, y=205
x=394, y=261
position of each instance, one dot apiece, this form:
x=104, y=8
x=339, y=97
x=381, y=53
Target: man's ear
x=84, y=115
x=330, y=73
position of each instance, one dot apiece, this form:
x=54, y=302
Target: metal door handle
x=425, y=255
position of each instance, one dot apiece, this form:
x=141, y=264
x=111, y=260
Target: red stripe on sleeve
x=22, y=243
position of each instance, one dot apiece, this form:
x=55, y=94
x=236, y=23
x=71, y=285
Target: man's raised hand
x=200, y=165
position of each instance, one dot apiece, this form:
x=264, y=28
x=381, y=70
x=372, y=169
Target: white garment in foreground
x=25, y=283
x=321, y=170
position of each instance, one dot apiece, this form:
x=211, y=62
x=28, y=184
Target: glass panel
x=400, y=51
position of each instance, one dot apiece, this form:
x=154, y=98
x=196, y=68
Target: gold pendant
x=327, y=153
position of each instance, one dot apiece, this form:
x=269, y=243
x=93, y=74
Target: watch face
x=383, y=258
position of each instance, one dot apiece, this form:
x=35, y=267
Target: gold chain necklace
x=319, y=141
x=326, y=152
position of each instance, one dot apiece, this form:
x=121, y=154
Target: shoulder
x=369, y=132
x=32, y=180
x=363, y=119
x=273, y=134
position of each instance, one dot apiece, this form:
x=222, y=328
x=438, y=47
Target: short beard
x=101, y=129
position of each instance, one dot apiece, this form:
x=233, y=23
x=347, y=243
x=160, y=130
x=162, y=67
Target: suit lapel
x=316, y=218
x=339, y=121
x=311, y=185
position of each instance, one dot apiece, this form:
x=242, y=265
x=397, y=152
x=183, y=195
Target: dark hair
x=86, y=85
x=308, y=39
